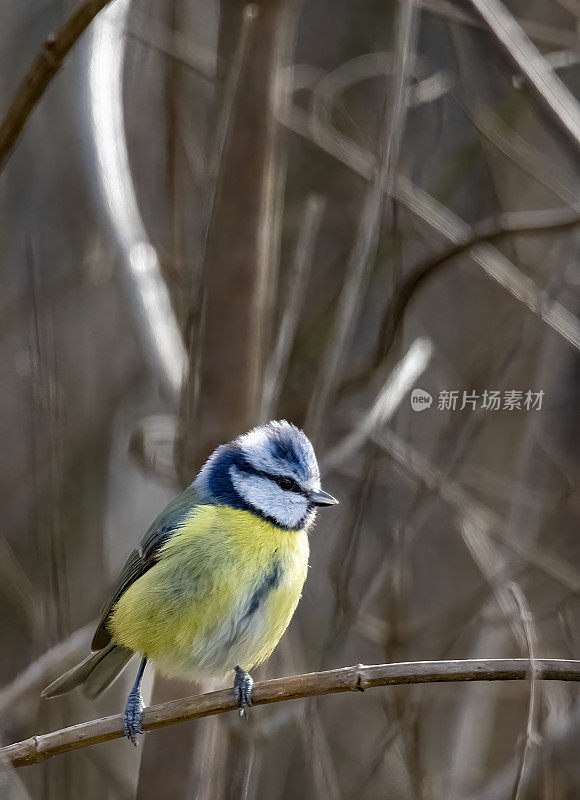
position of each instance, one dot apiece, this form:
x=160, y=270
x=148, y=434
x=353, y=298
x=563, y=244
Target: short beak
x=321, y=498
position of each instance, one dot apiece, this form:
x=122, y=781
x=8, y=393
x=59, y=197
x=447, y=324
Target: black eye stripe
x=283, y=481
x=293, y=486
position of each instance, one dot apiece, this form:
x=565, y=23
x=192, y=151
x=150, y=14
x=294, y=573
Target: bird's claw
x=243, y=684
x=133, y=712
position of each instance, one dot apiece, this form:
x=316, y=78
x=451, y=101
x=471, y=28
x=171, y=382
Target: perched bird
x=217, y=577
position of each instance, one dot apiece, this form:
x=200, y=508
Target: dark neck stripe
x=272, y=520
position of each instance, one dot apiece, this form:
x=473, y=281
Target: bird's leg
x=243, y=689
x=135, y=707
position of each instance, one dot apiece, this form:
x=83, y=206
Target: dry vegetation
x=217, y=213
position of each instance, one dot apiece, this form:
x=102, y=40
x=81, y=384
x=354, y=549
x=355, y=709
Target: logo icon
x=420, y=400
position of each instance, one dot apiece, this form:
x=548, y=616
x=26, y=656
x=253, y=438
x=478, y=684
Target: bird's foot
x=133, y=712
x=243, y=689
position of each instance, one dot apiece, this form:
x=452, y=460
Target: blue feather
x=245, y=475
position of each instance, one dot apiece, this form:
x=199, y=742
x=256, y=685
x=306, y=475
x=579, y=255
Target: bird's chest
x=224, y=594
x=269, y=586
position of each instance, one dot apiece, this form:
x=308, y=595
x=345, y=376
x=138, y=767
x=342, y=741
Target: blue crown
x=277, y=447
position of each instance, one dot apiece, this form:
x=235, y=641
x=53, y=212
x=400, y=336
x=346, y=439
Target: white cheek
x=288, y=508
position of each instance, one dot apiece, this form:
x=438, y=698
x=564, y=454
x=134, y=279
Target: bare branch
x=395, y=388
x=45, y=668
x=543, y=34
x=537, y=164
x=145, y=288
x=16, y=587
x=557, y=59
x=367, y=238
x=346, y=679
x=276, y=369
x=462, y=236
x=476, y=532
x=450, y=491
x=554, y=95
x=44, y=67
x=532, y=735
x=497, y=266
x=554, y=314
x=201, y=62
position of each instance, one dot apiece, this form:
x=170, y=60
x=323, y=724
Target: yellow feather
x=222, y=593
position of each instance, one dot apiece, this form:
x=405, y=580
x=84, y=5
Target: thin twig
x=482, y=233
x=453, y=493
x=399, y=382
x=560, y=731
x=201, y=62
x=314, y=738
x=329, y=88
x=346, y=679
x=532, y=736
x=533, y=162
x=475, y=530
x=16, y=587
x=558, y=59
x=363, y=162
x=553, y=94
x=544, y=34
x=277, y=365
x=461, y=236
x=44, y=67
x=46, y=668
x=523, y=288
x=493, y=130
x=319, y=753
x=367, y=238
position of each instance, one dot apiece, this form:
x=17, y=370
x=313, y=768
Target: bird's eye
x=286, y=483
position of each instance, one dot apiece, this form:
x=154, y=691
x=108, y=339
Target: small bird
x=217, y=577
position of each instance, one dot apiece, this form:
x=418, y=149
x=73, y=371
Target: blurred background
x=220, y=214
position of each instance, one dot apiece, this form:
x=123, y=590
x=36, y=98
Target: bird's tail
x=95, y=674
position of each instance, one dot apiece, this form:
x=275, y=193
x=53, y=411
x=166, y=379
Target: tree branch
x=345, y=679
x=544, y=34
x=482, y=233
x=44, y=67
x=552, y=93
x=46, y=668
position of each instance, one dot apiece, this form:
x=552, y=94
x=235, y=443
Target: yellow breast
x=222, y=593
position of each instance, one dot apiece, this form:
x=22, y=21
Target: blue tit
x=217, y=577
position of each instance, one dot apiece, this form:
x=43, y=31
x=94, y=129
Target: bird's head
x=271, y=471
